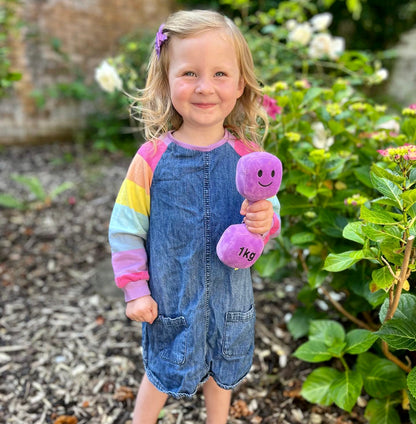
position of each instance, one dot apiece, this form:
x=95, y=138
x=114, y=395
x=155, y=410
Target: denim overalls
x=206, y=310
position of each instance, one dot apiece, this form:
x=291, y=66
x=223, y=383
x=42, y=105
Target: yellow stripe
x=134, y=197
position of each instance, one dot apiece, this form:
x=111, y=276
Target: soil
x=68, y=354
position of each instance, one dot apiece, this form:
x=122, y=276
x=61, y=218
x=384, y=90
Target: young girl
x=200, y=109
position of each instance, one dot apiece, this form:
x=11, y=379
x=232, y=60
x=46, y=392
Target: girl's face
x=204, y=82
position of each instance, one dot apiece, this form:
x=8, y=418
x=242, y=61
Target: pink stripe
x=151, y=154
x=129, y=260
x=244, y=149
x=275, y=230
x=132, y=277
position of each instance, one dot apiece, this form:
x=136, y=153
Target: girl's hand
x=143, y=309
x=258, y=216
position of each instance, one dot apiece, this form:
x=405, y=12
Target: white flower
x=391, y=125
x=321, y=21
x=320, y=46
x=381, y=75
x=107, y=77
x=291, y=24
x=337, y=47
x=320, y=140
x=323, y=44
x=301, y=34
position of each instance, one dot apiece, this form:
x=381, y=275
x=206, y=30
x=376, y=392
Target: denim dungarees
x=206, y=309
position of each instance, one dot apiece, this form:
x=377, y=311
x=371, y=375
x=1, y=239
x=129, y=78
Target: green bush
x=343, y=186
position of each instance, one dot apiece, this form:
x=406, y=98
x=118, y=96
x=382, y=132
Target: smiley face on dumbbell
x=258, y=176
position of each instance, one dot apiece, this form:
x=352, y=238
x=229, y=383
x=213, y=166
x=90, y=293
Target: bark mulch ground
x=68, y=354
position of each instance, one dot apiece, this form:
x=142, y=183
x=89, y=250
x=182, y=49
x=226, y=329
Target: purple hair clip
x=160, y=39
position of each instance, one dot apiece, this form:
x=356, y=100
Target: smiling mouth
x=265, y=185
x=204, y=105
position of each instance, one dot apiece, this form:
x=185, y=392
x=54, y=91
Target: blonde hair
x=153, y=106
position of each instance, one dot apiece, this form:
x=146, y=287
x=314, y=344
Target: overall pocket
x=169, y=339
x=238, y=333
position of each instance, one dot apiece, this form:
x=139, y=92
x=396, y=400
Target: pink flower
x=271, y=107
x=407, y=152
x=383, y=152
x=413, y=106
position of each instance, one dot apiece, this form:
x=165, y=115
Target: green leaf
x=412, y=177
x=336, y=262
x=382, y=411
x=9, y=201
x=378, y=234
x=412, y=211
x=299, y=323
x=412, y=416
x=391, y=249
x=316, y=276
x=33, y=184
x=411, y=382
x=386, y=173
x=406, y=309
x=409, y=198
x=306, y=190
x=412, y=401
x=381, y=279
x=60, y=189
x=316, y=387
x=355, y=7
x=387, y=188
x=362, y=175
x=346, y=388
x=311, y=94
x=408, y=127
x=293, y=205
x=385, y=201
x=381, y=376
x=269, y=263
x=376, y=217
x=312, y=351
x=353, y=231
x=302, y=238
x=359, y=341
x=399, y=333
x=326, y=331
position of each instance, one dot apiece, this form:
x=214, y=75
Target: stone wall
x=87, y=31
x=402, y=82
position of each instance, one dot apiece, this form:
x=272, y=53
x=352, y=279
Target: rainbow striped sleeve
x=129, y=223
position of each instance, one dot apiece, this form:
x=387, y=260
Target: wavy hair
x=153, y=107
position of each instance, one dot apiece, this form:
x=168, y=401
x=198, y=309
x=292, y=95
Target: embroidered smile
x=265, y=185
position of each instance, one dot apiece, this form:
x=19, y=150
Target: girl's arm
x=128, y=231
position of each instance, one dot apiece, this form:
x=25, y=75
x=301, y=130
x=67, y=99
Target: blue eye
x=189, y=74
x=220, y=74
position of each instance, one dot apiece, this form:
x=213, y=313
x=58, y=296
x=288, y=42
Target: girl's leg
x=149, y=403
x=217, y=402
